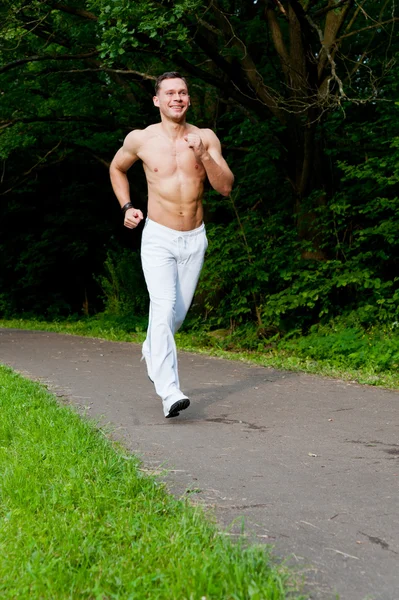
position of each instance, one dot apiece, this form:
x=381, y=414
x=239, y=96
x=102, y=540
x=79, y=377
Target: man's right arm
x=122, y=161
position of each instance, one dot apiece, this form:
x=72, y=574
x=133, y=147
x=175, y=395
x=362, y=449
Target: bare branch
x=42, y=159
x=74, y=11
x=360, y=62
x=48, y=36
x=37, y=22
x=346, y=35
x=210, y=27
x=326, y=9
x=248, y=67
x=36, y=58
x=281, y=9
x=334, y=22
x=330, y=59
x=38, y=165
x=278, y=40
x=109, y=70
x=359, y=8
x=105, y=163
x=6, y=124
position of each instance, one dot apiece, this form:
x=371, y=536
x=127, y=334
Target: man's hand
x=133, y=216
x=195, y=142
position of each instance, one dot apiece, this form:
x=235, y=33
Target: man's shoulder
x=204, y=132
x=132, y=140
x=150, y=130
x=137, y=137
x=137, y=134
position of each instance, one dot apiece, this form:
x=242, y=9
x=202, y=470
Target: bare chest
x=166, y=159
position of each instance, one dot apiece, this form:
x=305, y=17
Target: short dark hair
x=168, y=75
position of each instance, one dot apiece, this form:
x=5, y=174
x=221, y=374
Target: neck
x=172, y=129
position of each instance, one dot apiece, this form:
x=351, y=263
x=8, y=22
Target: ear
x=155, y=100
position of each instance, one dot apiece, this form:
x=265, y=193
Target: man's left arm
x=209, y=152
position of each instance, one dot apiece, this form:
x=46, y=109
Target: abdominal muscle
x=175, y=201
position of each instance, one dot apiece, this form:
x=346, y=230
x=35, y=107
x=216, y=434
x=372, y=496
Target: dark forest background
x=304, y=97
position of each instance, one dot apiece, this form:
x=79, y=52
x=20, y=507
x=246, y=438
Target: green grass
x=107, y=328
x=340, y=350
x=350, y=354
x=79, y=519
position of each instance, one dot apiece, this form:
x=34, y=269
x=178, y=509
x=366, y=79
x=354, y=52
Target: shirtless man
x=177, y=158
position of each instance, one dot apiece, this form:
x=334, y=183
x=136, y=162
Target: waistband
x=175, y=232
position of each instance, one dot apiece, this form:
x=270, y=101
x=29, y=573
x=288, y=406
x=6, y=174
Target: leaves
x=316, y=169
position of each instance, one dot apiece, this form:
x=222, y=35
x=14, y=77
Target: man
x=177, y=158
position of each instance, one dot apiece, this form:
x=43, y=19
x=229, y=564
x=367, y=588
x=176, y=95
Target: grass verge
x=344, y=351
x=78, y=519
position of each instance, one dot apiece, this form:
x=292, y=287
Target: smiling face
x=172, y=99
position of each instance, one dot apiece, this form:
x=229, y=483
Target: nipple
x=196, y=165
x=155, y=169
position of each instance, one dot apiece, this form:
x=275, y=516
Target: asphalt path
x=311, y=464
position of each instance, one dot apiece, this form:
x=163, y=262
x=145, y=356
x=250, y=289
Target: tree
x=282, y=80
x=292, y=61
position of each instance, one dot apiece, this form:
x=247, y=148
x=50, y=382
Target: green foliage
x=294, y=246
x=257, y=265
x=127, y=26
x=249, y=239
x=123, y=284
x=347, y=345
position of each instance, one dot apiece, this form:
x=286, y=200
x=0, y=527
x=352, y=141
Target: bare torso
x=175, y=178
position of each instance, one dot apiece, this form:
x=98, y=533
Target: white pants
x=172, y=261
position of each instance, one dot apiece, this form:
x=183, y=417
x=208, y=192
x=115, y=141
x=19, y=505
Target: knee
x=163, y=313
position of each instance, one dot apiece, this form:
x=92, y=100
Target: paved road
x=311, y=463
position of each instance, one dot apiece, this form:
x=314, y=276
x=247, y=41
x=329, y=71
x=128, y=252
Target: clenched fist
x=133, y=216
x=195, y=142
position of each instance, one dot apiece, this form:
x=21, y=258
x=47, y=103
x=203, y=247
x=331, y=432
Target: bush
x=123, y=284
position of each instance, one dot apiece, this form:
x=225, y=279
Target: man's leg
x=192, y=247
x=189, y=265
x=159, y=262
